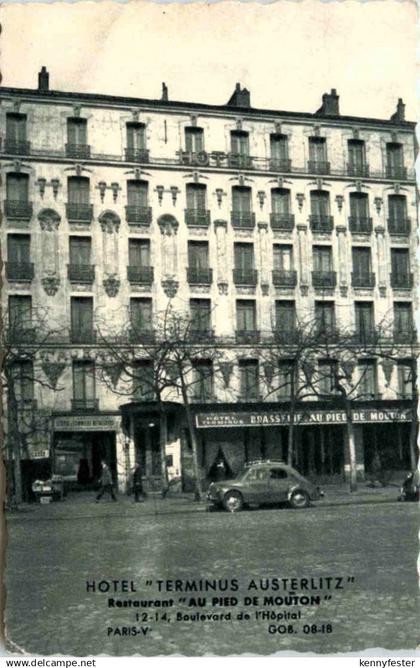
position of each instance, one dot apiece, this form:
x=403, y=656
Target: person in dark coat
x=106, y=483
x=137, y=483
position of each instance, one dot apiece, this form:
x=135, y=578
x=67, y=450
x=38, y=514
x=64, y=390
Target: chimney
x=399, y=116
x=241, y=97
x=43, y=79
x=330, y=106
x=164, y=97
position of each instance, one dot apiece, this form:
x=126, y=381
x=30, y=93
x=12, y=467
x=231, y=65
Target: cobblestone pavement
x=53, y=550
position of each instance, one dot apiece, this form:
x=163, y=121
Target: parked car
x=263, y=482
x=410, y=490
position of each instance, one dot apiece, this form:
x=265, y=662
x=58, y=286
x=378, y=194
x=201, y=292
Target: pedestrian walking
x=137, y=483
x=106, y=483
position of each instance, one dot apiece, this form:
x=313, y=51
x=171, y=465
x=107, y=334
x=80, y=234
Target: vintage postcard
x=209, y=377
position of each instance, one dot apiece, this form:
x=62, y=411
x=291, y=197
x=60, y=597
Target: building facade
x=245, y=218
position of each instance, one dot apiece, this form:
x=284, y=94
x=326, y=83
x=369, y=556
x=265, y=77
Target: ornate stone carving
x=343, y=290
x=168, y=225
x=170, y=287
x=304, y=290
x=53, y=371
x=387, y=367
x=220, y=223
x=223, y=288
x=111, y=285
x=109, y=222
x=113, y=371
x=50, y=284
x=49, y=220
x=268, y=372
x=226, y=369
x=265, y=289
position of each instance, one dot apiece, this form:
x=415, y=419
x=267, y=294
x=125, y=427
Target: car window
x=256, y=474
x=278, y=474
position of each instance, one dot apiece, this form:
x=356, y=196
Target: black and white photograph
x=209, y=347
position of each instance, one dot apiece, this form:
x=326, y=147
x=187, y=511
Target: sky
x=287, y=53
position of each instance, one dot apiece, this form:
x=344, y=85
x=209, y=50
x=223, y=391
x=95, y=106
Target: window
x=362, y=267
x=80, y=250
x=367, y=379
x=278, y=474
x=239, y=142
x=17, y=186
x=325, y=317
x=279, y=148
x=78, y=190
x=359, y=205
x=20, y=312
x=397, y=207
x=280, y=201
x=202, y=380
x=249, y=379
x=365, y=322
x=322, y=258
x=244, y=257
x=395, y=160
x=196, y=196
x=15, y=141
x=283, y=257
x=327, y=376
x=141, y=314
x=285, y=317
x=194, y=140
x=139, y=253
x=84, y=384
x=403, y=320
x=143, y=380
x=23, y=380
x=245, y=315
x=200, y=311
x=320, y=203
x=82, y=319
x=400, y=267
x=18, y=249
x=76, y=131
x=241, y=199
x=318, y=155
x=136, y=136
x=137, y=193
x=286, y=377
x=357, y=157
x=406, y=378
x=198, y=255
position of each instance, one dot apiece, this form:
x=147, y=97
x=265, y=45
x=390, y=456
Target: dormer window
x=136, y=150
x=77, y=146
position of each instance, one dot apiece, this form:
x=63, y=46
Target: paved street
x=54, y=549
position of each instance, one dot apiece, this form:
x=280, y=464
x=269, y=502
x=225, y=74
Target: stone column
x=343, y=260
x=381, y=260
x=303, y=258
x=110, y=224
x=169, y=254
x=49, y=221
x=223, y=324
x=265, y=263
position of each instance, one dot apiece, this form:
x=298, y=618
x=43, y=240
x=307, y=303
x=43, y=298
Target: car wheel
x=233, y=501
x=299, y=499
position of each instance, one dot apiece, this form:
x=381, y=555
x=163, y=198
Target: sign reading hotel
x=278, y=418
x=87, y=423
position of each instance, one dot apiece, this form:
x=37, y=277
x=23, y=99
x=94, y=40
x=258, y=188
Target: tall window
x=17, y=187
x=18, y=249
x=400, y=267
x=23, y=380
x=15, y=141
x=327, y=376
x=76, y=131
x=137, y=193
x=406, y=378
x=325, y=317
x=362, y=267
x=196, y=196
x=249, y=379
x=200, y=313
x=194, y=139
x=82, y=319
x=80, y=251
x=139, y=253
x=280, y=201
x=286, y=317
x=365, y=320
x=136, y=136
x=141, y=314
x=359, y=205
x=322, y=259
x=244, y=256
x=357, y=157
x=279, y=152
x=143, y=380
x=397, y=207
x=84, y=384
x=318, y=155
x=286, y=376
x=246, y=315
x=239, y=142
x=202, y=380
x=367, y=386
x=198, y=255
x=241, y=199
x=20, y=312
x=395, y=160
x=403, y=320
x=78, y=190
x=320, y=203
x=283, y=257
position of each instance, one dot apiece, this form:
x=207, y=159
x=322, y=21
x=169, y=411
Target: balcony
x=287, y=335
x=20, y=271
x=201, y=335
x=79, y=213
x=77, y=336
x=84, y=405
x=197, y=217
x=357, y=170
x=203, y=396
x=405, y=336
x=240, y=161
x=396, y=172
x=242, y=220
x=199, y=276
x=282, y=221
x=365, y=336
x=247, y=336
x=21, y=334
x=364, y=279
x=318, y=167
x=78, y=151
x=141, y=336
x=15, y=209
x=140, y=275
x=137, y=155
x=138, y=215
x=399, y=226
x=402, y=281
x=285, y=278
x=196, y=158
x=324, y=279
x=245, y=277
x=321, y=223
x=81, y=273
x=280, y=165
x=360, y=225
x=16, y=147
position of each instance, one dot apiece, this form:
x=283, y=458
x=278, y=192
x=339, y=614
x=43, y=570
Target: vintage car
x=263, y=482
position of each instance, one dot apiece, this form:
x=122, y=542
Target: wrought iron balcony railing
x=360, y=225
x=140, y=275
x=282, y=221
x=318, y=167
x=365, y=279
x=197, y=217
x=78, y=336
x=19, y=271
x=85, y=404
x=321, y=223
x=285, y=278
x=399, y=226
x=396, y=172
x=198, y=158
x=142, y=335
x=403, y=280
x=81, y=273
x=16, y=147
x=357, y=170
x=247, y=336
x=137, y=154
x=201, y=335
x=197, y=275
x=240, y=161
x=79, y=213
x=280, y=164
x=16, y=209
x=78, y=151
x=287, y=335
x=324, y=279
x=140, y=215
x=366, y=336
x=406, y=336
x=242, y=219
x=245, y=276
x=21, y=334
x=202, y=396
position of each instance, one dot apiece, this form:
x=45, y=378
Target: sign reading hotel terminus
x=278, y=418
